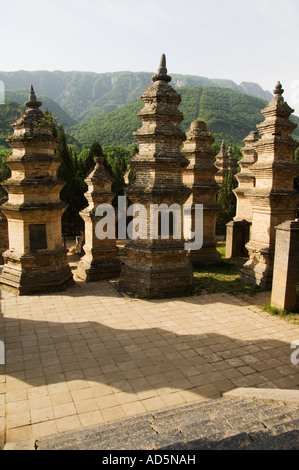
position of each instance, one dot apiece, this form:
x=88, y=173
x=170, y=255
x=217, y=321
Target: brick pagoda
x=222, y=164
x=238, y=230
x=232, y=161
x=36, y=259
x=274, y=199
x=100, y=260
x=199, y=176
x=158, y=267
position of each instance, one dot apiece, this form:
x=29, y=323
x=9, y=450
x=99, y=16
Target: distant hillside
x=114, y=128
x=229, y=115
x=21, y=96
x=84, y=95
x=9, y=112
x=14, y=106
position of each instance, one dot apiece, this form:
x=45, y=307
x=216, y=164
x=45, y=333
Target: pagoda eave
x=50, y=206
x=14, y=183
x=32, y=158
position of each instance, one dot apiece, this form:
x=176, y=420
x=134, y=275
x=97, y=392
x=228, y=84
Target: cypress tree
x=86, y=166
x=227, y=199
x=73, y=191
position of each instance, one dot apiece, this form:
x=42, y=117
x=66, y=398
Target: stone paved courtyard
x=89, y=355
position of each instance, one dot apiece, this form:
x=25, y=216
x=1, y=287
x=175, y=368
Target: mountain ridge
x=84, y=95
x=228, y=114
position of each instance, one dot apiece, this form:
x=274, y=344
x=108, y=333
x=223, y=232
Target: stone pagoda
x=274, y=199
x=238, y=230
x=245, y=178
x=199, y=176
x=156, y=266
x=36, y=259
x=222, y=163
x=100, y=260
x=232, y=161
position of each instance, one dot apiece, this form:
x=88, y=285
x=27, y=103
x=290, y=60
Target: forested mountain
x=84, y=95
x=229, y=115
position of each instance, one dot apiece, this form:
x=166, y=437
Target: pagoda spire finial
x=162, y=68
x=162, y=71
x=278, y=89
x=32, y=101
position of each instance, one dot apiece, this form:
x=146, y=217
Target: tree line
x=77, y=165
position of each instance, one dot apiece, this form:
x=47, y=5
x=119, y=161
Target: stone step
x=251, y=417
x=232, y=422
x=261, y=440
x=284, y=422
x=211, y=411
x=282, y=436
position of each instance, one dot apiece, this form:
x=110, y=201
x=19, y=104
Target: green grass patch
x=287, y=315
x=224, y=276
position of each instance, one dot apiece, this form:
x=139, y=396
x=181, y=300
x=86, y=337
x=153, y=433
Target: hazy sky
x=241, y=40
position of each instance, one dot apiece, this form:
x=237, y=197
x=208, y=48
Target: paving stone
x=168, y=327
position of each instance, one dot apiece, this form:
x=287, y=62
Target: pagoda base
x=237, y=236
x=207, y=254
x=36, y=273
x=259, y=268
x=91, y=270
x=157, y=281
